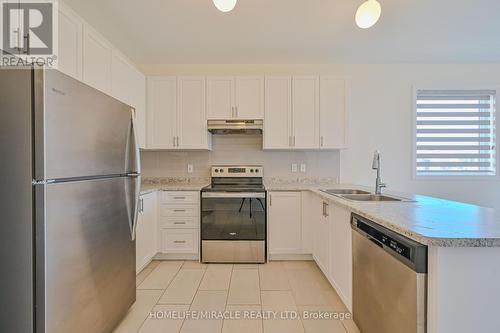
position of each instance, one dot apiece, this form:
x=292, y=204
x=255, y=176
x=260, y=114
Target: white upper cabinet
x=162, y=112
x=192, y=130
x=87, y=56
x=249, y=98
x=70, y=42
x=305, y=110
x=139, y=103
x=278, y=107
x=97, y=53
x=333, y=115
x=235, y=97
x=220, y=97
x=123, y=75
x=285, y=223
x=129, y=86
x=176, y=113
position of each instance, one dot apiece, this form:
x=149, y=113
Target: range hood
x=235, y=126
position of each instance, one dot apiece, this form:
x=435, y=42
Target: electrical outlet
x=303, y=168
x=294, y=167
x=190, y=168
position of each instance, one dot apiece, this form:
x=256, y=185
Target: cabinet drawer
x=180, y=197
x=180, y=222
x=179, y=211
x=179, y=240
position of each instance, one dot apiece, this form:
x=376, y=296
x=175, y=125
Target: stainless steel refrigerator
x=69, y=187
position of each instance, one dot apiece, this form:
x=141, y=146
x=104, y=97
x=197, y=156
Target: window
x=455, y=133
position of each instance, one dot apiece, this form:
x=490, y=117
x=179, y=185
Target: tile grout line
x=145, y=319
x=260, y=298
x=227, y=296
x=164, y=290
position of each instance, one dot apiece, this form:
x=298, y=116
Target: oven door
x=233, y=226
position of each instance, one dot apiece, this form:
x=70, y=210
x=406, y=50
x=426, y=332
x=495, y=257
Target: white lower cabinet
x=304, y=224
x=285, y=225
x=184, y=241
x=146, y=245
x=179, y=225
x=341, y=253
x=322, y=241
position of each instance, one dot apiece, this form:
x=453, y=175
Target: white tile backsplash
x=240, y=149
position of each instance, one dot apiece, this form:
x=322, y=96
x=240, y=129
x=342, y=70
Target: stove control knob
x=221, y=170
x=251, y=170
x=216, y=170
x=256, y=170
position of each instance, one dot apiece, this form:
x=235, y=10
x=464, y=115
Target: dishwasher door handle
x=376, y=242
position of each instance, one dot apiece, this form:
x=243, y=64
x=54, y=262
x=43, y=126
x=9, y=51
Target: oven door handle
x=233, y=195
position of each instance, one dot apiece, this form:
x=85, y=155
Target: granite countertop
x=173, y=184
x=430, y=221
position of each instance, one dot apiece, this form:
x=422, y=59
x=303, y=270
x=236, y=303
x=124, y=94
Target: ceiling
x=297, y=31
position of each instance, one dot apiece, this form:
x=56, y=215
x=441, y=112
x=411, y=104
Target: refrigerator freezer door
x=79, y=131
x=89, y=257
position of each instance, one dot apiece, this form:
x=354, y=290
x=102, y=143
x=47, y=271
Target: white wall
x=240, y=149
x=381, y=118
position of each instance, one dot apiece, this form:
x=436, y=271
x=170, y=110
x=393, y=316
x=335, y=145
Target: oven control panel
x=238, y=171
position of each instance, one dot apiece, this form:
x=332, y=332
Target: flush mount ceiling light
x=225, y=5
x=368, y=14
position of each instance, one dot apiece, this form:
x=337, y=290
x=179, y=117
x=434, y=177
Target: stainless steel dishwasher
x=389, y=280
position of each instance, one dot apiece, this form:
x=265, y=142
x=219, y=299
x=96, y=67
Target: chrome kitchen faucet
x=376, y=166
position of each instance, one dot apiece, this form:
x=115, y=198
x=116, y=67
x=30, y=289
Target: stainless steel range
x=233, y=216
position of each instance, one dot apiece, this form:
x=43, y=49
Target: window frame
x=415, y=176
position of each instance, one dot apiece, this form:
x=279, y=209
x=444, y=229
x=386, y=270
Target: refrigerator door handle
x=133, y=148
x=133, y=191
x=133, y=153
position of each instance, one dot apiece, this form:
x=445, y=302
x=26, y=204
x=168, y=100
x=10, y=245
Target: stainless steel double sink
x=360, y=195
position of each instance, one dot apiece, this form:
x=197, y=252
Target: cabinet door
x=305, y=111
x=191, y=116
x=139, y=103
x=341, y=253
x=278, y=108
x=333, y=115
x=122, y=78
x=129, y=86
x=249, y=97
x=284, y=223
x=322, y=235
x=97, y=55
x=146, y=240
x=162, y=111
x=69, y=58
x=220, y=97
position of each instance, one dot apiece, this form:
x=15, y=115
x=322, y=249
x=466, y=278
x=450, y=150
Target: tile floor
x=249, y=296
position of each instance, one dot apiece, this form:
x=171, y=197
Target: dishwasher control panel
x=393, y=244
x=412, y=253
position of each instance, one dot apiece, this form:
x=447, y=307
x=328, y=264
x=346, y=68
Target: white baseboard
x=177, y=256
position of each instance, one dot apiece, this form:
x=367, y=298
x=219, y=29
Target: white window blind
x=456, y=133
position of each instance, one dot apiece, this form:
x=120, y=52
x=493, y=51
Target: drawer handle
x=179, y=198
x=179, y=242
x=179, y=210
x=179, y=222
